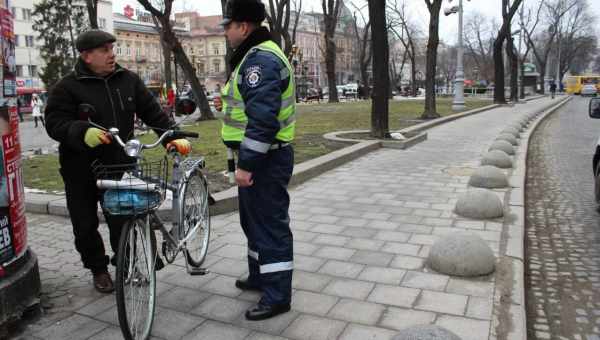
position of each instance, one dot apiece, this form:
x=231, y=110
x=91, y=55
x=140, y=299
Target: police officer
x=115, y=94
x=258, y=107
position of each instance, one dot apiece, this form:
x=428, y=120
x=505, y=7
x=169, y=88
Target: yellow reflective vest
x=234, y=117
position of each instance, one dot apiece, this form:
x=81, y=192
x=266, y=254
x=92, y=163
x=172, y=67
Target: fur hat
x=244, y=11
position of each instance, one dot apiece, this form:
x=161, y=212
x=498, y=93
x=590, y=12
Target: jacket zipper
x=112, y=103
x=121, y=100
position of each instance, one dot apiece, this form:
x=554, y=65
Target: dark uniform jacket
x=116, y=99
x=262, y=97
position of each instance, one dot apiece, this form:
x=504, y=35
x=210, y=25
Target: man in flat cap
x=115, y=94
x=259, y=121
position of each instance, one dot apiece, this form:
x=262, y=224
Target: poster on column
x=13, y=232
x=9, y=65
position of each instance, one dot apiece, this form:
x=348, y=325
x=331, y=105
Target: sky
x=417, y=10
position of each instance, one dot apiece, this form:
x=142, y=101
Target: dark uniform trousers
x=265, y=220
x=82, y=202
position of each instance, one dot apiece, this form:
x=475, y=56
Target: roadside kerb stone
x=498, y=159
x=512, y=130
x=503, y=145
x=426, y=332
x=462, y=254
x=489, y=177
x=479, y=204
x=509, y=138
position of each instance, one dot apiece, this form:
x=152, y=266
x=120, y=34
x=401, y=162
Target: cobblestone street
x=563, y=228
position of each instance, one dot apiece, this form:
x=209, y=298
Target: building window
x=138, y=51
x=17, y=40
x=216, y=66
x=201, y=68
x=33, y=71
x=215, y=49
x=13, y=10
x=119, y=50
x=29, y=41
x=128, y=51
x=102, y=23
x=26, y=14
x=19, y=70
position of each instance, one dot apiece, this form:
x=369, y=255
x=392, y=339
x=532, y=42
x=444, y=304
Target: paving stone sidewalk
x=362, y=233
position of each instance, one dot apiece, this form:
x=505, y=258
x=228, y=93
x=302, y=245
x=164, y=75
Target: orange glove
x=183, y=146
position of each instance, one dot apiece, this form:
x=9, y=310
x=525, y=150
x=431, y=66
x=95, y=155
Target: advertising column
x=19, y=275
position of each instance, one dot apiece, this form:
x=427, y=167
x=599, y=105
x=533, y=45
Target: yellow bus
x=575, y=83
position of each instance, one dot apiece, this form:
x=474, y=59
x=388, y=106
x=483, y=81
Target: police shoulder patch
x=253, y=76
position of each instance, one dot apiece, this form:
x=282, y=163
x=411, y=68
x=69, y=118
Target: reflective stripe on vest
x=234, y=117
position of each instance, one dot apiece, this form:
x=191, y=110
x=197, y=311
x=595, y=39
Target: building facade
x=27, y=52
x=206, y=48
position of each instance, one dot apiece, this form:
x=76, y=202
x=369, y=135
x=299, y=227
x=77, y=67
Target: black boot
x=243, y=284
x=262, y=312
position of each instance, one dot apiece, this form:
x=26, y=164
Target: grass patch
x=314, y=120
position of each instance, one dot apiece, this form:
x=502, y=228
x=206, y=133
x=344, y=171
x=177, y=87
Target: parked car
x=589, y=90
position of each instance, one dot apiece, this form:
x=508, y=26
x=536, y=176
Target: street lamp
x=459, y=82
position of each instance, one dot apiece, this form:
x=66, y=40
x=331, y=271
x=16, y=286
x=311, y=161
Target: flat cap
x=244, y=11
x=93, y=38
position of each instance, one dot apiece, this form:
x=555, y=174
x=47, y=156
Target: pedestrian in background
x=37, y=106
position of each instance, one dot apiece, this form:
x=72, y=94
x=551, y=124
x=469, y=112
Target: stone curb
x=226, y=201
x=512, y=302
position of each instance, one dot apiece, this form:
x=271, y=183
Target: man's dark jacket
x=115, y=98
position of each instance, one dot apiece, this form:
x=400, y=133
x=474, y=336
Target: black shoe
x=245, y=285
x=262, y=312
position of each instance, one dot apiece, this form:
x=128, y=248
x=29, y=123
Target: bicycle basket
x=131, y=189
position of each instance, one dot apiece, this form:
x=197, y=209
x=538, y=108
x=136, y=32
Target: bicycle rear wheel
x=136, y=280
x=195, y=218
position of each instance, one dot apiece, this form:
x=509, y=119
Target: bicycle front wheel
x=195, y=218
x=136, y=280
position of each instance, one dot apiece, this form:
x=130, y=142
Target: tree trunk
x=92, y=8
x=167, y=61
x=330, y=64
x=499, y=97
x=70, y=24
x=432, y=46
x=542, y=76
x=413, y=75
x=514, y=70
x=381, y=83
x=183, y=61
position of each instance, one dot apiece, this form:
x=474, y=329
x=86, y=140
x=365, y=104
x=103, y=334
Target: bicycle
x=136, y=190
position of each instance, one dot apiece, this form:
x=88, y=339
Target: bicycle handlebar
x=114, y=132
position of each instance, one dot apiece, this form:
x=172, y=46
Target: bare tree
x=434, y=7
x=399, y=17
x=479, y=42
x=381, y=83
x=364, y=47
x=578, y=41
x=541, y=44
x=508, y=12
x=92, y=9
x=298, y=12
x=279, y=23
x=331, y=12
x=173, y=43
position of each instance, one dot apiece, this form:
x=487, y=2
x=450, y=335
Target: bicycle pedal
x=197, y=271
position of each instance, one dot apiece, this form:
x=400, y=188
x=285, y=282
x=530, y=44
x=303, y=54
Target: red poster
x=6, y=24
x=14, y=179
